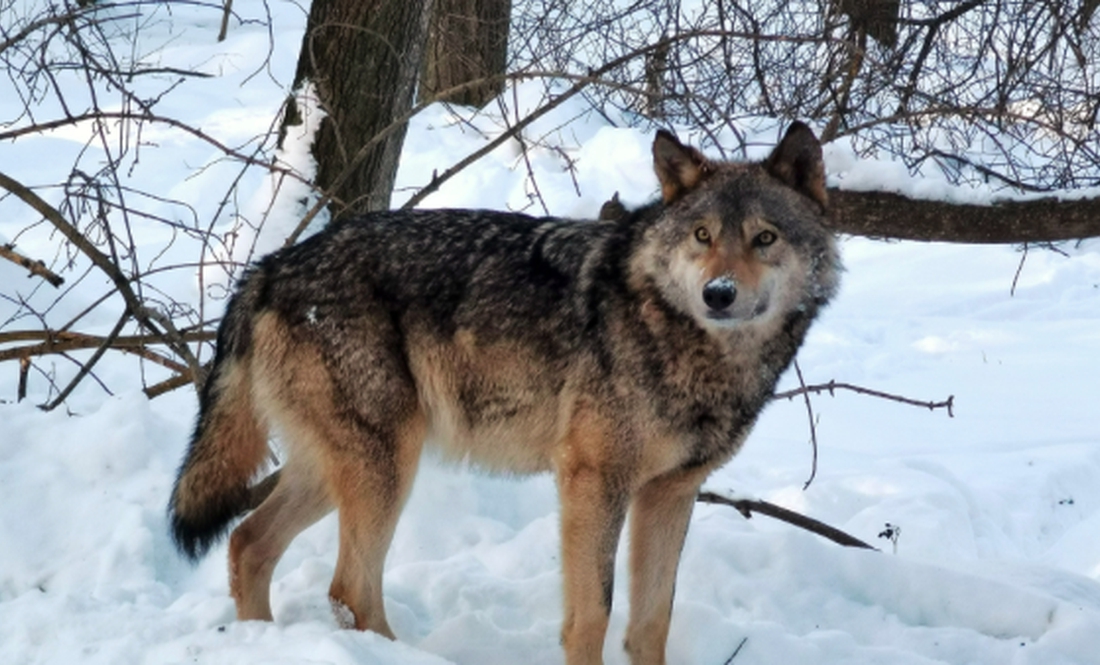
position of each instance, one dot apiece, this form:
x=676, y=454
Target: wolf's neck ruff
x=628, y=357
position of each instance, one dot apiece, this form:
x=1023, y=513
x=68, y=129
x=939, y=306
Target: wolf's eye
x=764, y=238
x=702, y=235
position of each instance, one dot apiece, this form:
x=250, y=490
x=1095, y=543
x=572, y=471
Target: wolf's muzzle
x=719, y=293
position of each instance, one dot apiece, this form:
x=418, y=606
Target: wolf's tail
x=230, y=442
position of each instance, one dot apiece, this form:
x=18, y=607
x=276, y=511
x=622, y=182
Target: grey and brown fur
x=629, y=357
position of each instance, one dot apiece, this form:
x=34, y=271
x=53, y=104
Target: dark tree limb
x=889, y=215
x=749, y=506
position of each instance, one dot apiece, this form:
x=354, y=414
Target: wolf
x=630, y=357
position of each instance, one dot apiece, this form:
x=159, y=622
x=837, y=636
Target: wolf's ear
x=797, y=162
x=680, y=168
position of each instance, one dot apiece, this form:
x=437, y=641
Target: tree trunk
x=362, y=57
x=467, y=41
x=878, y=19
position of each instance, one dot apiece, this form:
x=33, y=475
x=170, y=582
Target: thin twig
x=813, y=426
x=736, y=651
x=130, y=116
x=524, y=150
x=86, y=367
x=833, y=386
x=1019, y=269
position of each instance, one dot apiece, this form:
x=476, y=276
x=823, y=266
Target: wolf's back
x=229, y=443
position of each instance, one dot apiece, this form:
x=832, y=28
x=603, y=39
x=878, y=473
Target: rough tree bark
x=878, y=19
x=362, y=57
x=467, y=41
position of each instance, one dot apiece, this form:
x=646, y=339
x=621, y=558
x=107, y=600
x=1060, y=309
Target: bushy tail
x=229, y=444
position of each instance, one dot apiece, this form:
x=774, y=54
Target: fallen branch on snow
x=748, y=506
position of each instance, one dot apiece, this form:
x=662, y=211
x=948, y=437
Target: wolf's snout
x=719, y=293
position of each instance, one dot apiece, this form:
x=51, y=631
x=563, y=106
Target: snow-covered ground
x=998, y=559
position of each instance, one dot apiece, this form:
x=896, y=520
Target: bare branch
x=582, y=82
x=832, y=386
x=36, y=267
x=749, y=506
x=170, y=384
x=87, y=366
x=133, y=303
x=64, y=341
x=123, y=116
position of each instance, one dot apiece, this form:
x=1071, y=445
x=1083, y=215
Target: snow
x=998, y=560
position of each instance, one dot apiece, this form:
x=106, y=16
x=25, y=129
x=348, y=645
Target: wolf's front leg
x=659, y=518
x=592, y=513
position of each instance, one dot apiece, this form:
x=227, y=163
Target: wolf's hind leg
x=659, y=519
x=372, y=477
x=298, y=500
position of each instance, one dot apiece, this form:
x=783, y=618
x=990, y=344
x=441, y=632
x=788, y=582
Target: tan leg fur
x=658, y=524
x=593, y=505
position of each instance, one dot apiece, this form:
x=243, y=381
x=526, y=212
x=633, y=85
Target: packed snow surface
x=998, y=555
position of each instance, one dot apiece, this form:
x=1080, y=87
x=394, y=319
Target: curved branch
x=749, y=506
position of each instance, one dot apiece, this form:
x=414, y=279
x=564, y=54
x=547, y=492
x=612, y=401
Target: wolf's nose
x=719, y=293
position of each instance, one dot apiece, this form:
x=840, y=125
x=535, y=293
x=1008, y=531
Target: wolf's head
x=740, y=243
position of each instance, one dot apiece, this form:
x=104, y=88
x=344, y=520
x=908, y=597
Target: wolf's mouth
x=758, y=309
